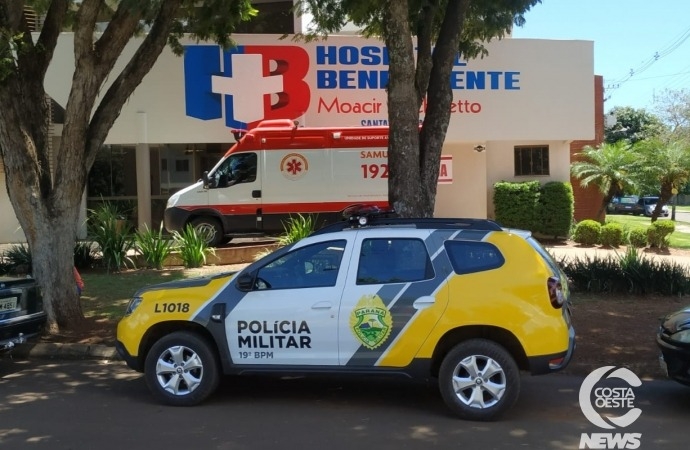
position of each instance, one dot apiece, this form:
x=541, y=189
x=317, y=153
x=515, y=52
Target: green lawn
x=106, y=295
x=679, y=239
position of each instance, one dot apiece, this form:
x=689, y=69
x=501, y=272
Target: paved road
x=95, y=405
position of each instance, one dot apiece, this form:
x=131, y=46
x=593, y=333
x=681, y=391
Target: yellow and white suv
x=460, y=301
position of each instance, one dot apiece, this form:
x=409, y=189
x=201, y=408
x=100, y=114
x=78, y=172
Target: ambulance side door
x=235, y=187
x=290, y=316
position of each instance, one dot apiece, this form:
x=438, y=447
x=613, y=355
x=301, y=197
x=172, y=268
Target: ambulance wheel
x=181, y=369
x=212, y=228
x=479, y=380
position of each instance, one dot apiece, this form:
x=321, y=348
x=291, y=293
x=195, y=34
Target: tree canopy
x=46, y=190
x=632, y=125
x=610, y=167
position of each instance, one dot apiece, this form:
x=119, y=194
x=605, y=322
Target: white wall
x=466, y=196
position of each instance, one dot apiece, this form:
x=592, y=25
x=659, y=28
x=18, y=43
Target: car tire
x=479, y=380
x=181, y=369
x=213, y=227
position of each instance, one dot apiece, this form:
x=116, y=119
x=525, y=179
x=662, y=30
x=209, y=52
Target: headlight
x=172, y=201
x=682, y=336
x=133, y=303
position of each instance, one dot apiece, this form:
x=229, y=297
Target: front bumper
x=174, y=219
x=676, y=360
x=132, y=361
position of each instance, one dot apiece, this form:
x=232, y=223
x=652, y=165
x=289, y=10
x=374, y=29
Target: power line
x=670, y=48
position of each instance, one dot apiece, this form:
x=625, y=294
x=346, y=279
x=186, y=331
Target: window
x=312, y=266
x=236, y=169
x=532, y=160
x=182, y=165
x=473, y=256
x=393, y=261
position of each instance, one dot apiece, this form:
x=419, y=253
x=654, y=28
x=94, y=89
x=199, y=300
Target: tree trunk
x=414, y=154
x=403, y=115
x=46, y=201
x=52, y=250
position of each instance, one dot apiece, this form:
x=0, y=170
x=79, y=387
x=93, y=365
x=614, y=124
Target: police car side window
x=473, y=256
x=393, y=261
x=315, y=265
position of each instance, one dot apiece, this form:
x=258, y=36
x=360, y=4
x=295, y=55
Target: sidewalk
x=52, y=350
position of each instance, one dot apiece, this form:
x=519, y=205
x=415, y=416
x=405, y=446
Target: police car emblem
x=371, y=322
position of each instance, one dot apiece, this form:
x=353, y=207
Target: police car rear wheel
x=479, y=380
x=210, y=227
x=181, y=369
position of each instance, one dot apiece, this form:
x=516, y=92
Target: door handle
x=256, y=193
x=424, y=302
x=321, y=305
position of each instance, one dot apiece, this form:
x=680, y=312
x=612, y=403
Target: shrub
x=587, y=232
x=192, y=246
x=515, y=204
x=637, y=237
x=297, y=228
x=153, y=246
x=631, y=273
x=611, y=234
x=113, y=235
x=84, y=254
x=658, y=233
x=18, y=259
x=555, y=210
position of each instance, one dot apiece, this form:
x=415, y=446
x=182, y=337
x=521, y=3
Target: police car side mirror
x=245, y=282
x=204, y=178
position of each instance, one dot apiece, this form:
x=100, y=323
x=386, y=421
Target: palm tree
x=663, y=166
x=609, y=167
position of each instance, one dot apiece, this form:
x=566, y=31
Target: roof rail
x=421, y=223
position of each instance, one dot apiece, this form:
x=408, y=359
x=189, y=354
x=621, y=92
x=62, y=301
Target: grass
x=107, y=295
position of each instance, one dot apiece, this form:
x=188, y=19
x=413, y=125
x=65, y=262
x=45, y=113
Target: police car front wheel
x=181, y=369
x=479, y=380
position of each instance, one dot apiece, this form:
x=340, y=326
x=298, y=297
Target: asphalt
x=67, y=351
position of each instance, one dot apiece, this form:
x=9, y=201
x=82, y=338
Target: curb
x=65, y=351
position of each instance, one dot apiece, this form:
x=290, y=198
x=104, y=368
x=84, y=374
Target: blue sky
x=627, y=35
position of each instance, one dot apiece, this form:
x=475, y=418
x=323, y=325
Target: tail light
x=556, y=295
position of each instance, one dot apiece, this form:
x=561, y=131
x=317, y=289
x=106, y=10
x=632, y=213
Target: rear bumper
x=544, y=364
x=18, y=329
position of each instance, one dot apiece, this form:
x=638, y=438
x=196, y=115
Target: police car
x=463, y=302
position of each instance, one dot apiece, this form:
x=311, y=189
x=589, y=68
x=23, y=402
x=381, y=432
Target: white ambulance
x=279, y=169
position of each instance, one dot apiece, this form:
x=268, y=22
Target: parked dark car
x=627, y=204
x=673, y=339
x=21, y=311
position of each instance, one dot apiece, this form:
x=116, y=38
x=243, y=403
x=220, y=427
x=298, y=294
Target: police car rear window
x=394, y=260
x=473, y=256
